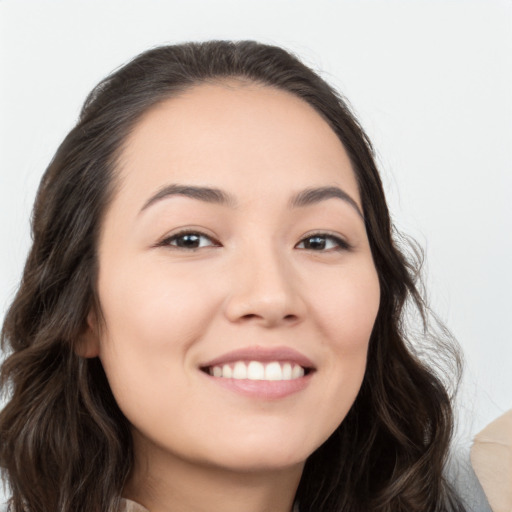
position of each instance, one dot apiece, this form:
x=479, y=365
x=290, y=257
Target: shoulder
x=463, y=478
x=491, y=457
x=131, y=506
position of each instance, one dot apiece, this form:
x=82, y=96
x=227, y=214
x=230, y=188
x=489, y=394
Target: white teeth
x=227, y=372
x=256, y=370
x=273, y=371
x=297, y=371
x=240, y=371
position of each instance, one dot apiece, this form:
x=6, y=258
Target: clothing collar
x=131, y=506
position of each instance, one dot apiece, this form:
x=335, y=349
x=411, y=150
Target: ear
x=88, y=344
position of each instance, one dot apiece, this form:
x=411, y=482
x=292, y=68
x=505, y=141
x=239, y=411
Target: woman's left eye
x=323, y=242
x=189, y=240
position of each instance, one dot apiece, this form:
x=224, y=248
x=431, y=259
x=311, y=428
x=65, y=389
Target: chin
x=254, y=455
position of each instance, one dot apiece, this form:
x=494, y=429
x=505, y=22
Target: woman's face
x=235, y=279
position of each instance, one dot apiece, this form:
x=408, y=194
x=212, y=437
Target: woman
x=211, y=315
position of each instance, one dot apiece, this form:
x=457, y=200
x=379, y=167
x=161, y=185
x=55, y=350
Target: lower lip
x=263, y=389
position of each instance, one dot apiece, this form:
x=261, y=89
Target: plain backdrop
x=431, y=82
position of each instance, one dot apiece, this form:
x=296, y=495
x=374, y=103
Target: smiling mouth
x=258, y=370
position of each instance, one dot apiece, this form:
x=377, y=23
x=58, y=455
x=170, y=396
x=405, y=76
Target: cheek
x=151, y=318
x=346, y=309
x=154, y=304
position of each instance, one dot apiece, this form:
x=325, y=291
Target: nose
x=265, y=291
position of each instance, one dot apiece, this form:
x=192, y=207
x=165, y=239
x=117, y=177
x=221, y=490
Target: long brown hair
x=64, y=444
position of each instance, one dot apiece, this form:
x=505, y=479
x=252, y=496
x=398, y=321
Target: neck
x=164, y=483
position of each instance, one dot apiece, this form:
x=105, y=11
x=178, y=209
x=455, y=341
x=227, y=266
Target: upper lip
x=262, y=354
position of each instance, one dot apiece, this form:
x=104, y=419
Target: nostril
x=249, y=316
x=264, y=309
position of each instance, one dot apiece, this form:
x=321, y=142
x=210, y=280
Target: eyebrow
x=206, y=194
x=311, y=196
x=303, y=198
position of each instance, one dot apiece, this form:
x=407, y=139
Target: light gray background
x=430, y=80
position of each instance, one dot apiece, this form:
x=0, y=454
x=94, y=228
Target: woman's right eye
x=189, y=240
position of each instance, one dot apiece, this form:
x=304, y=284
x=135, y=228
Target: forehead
x=234, y=135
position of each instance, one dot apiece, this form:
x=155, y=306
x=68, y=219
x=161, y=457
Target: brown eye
x=322, y=242
x=189, y=240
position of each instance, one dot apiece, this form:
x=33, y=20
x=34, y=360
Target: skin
x=255, y=281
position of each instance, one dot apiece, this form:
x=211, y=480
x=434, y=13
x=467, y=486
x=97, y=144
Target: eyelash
x=339, y=243
x=188, y=232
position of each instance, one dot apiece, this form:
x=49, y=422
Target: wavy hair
x=64, y=444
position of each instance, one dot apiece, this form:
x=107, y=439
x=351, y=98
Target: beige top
x=131, y=506
x=491, y=457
